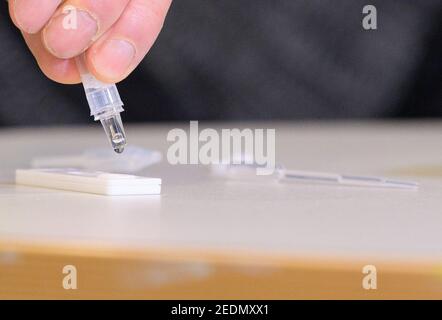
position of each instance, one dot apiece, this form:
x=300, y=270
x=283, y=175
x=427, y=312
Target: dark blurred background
x=255, y=59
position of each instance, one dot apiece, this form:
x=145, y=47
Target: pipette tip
x=115, y=132
x=119, y=149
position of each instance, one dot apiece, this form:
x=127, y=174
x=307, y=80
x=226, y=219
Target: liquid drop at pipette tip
x=119, y=149
x=118, y=142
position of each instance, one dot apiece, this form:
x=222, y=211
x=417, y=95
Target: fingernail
x=69, y=34
x=113, y=58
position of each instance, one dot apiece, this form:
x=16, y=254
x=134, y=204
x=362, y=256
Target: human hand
x=114, y=34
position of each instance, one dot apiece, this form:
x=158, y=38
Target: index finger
x=31, y=16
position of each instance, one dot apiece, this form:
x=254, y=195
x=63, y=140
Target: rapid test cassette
x=96, y=182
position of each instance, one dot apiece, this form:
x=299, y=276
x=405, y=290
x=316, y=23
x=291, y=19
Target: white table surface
x=197, y=210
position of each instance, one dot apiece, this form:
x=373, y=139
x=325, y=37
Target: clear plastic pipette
x=342, y=179
x=105, y=104
x=247, y=171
